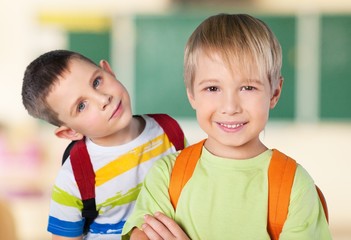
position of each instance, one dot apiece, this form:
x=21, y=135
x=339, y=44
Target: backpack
x=281, y=175
x=83, y=169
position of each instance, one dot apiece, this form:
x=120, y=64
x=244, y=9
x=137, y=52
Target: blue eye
x=96, y=82
x=81, y=107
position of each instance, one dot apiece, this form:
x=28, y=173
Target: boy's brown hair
x=39, y=78
x=237, y=38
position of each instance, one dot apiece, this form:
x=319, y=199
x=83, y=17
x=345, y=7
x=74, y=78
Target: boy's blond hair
x=240, y=40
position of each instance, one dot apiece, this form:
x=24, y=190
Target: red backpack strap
x=172, y=129
x=281, y=174
x=85, y=177
x=183, y=170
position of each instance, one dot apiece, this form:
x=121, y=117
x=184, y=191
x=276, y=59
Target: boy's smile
x=92, y=102
x=231, y=127
x=117, y=111
x=231, y=107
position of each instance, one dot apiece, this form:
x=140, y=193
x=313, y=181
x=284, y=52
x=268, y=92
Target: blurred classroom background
x=144, y=41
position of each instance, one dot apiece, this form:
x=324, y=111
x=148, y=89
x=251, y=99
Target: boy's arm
x=65, y=207
x=153, y=197
x=55, y=237
x=306, y=219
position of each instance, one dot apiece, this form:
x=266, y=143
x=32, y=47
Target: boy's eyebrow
x=245, y=81
x=254, y=80
x=207, y=81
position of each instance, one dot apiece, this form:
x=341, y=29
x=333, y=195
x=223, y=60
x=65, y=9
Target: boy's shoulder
x=166, y=163
x=302, y=177
x=172, y=129
x=300, y=173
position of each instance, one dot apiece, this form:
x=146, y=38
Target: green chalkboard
x=94, y=45
x=284, y=27
x=335, y=86
x=160, y=42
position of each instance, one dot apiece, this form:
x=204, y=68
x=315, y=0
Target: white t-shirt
x=119, y=173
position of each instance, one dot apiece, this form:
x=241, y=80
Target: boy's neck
x=137, y=126
x=246, y=151
x=126, y=135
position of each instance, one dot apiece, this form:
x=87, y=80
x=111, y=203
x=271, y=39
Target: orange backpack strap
x=324, y=203
x=183, y=170
x=281, y=174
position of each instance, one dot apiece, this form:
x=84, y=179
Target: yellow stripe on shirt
x=133, y=158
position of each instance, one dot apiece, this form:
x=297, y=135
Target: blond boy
x=232, y=77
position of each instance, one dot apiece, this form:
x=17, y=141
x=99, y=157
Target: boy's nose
x=230, y=104
x=104, y=100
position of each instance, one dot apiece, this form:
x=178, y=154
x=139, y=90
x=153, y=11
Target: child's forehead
x=75, y=69
x=245, y=65
x=79, y=63
x=77, y=66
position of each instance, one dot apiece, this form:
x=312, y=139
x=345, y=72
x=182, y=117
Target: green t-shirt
x=228, y=199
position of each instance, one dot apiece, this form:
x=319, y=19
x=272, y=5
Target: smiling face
x=91, y=102
x=232, y=107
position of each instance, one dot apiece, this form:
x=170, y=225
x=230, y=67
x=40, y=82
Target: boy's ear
x=106, y=66
x=276, y=93
x=191, y=98
x=68, y=133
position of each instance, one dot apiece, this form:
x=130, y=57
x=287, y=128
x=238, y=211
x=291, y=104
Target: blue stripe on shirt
x=65, y=228
x=75, y=229
x=107, y=228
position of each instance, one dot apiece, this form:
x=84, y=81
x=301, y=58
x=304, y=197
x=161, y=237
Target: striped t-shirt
x=119, y=173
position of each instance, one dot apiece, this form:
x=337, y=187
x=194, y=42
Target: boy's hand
x=161, y=227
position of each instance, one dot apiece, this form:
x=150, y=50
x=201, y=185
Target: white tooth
x=231, y=126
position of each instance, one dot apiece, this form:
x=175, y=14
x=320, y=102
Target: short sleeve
x=154, y=195
x=306, y=218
